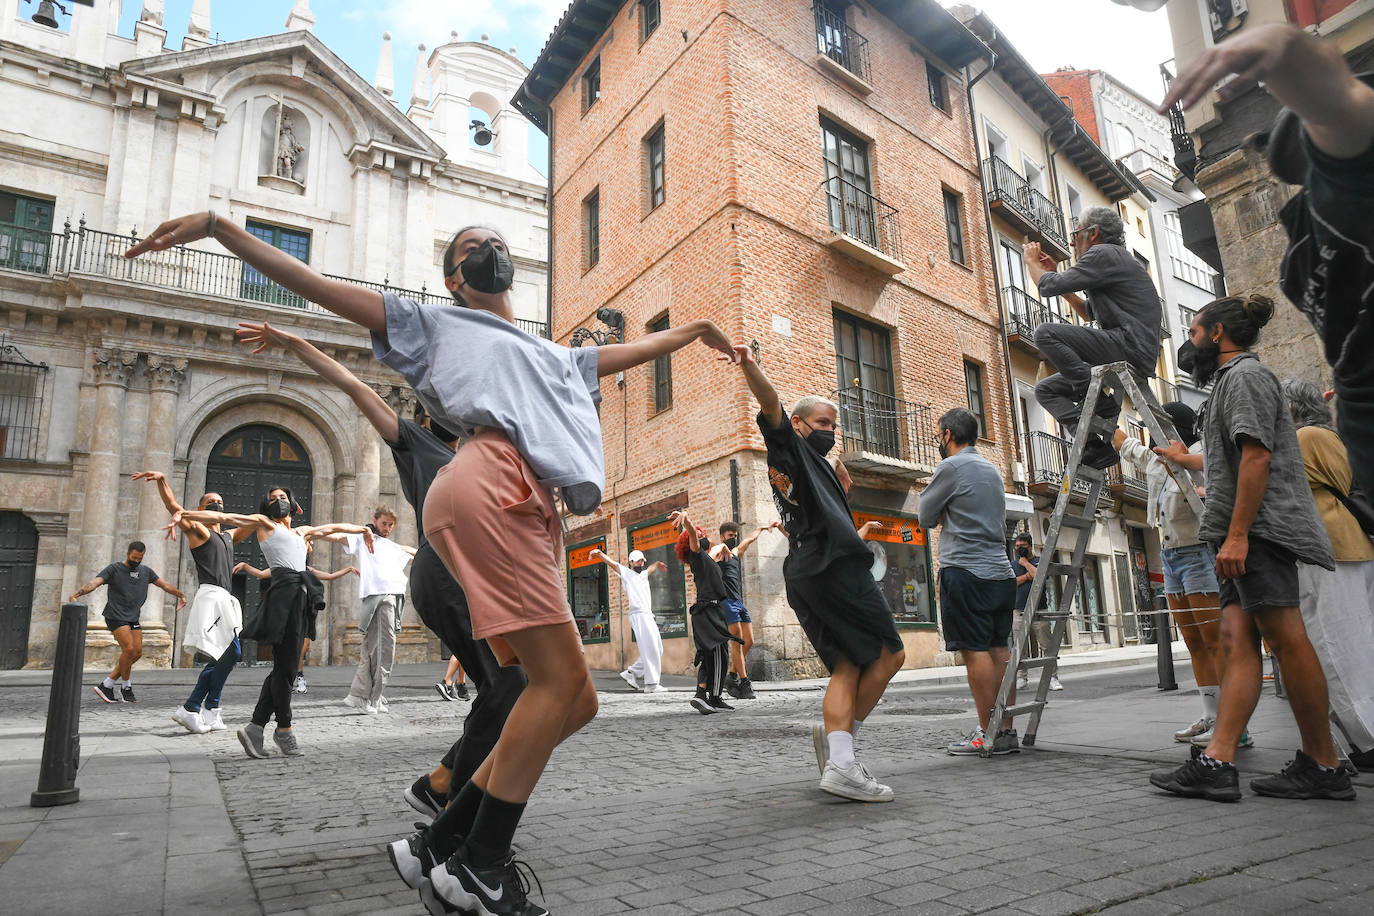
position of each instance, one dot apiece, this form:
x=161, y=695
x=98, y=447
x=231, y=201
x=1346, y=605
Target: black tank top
x=730, y=570
x=215, y=559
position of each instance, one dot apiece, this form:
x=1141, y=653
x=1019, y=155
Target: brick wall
x=1076, y=88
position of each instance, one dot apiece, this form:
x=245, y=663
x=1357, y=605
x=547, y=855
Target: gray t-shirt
x=1120, y=297
x=965, y=498
x=470, y=368
x=1247, y=401
x=125, y=590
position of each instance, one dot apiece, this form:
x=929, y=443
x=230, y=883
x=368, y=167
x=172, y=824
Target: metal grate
x=22, y=382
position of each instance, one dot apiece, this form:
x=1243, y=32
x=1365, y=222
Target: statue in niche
x=288, y=150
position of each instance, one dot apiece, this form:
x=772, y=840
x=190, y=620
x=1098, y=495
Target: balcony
x=884, y=435
x=863, y=227
x=1142, y=163
x=1166, y=391
x=1025, y=313
x=91, y=253
x=842, y=52
x=1046, y=456
x=1126, y=485
x=1012, y=198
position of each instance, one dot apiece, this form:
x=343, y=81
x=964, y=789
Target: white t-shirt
x=637, y=594
x=381, y=572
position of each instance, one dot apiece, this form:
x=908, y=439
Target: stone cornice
x=113, y=366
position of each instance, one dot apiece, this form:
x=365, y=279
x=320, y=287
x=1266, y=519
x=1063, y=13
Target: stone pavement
x=655, y=809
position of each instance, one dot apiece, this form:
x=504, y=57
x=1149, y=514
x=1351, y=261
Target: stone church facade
x=108, y=367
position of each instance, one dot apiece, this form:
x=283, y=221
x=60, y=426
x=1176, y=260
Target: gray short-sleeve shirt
x=126, y=590
x=471, y=368
x=1248, y=402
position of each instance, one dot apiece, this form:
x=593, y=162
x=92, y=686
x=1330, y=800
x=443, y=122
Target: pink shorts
x=496, y=529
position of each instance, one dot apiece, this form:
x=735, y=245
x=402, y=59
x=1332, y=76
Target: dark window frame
x=663, y=369
x=255, y=285
x=937, y=87
x=852, y=212
x=953, y=205
x=975, y=389
x=590, y=83
x=656, y=142
x=26, y=240
x=665, y=585
x=604, y=597
x=650, y=18
x=591, y=229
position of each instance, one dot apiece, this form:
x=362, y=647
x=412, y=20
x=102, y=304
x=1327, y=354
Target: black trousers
x=714, y=665
x=442, y=606
x=275, y=697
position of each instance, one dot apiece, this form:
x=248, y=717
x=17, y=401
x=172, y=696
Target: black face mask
x=214, y=507
x=1202, y=361
x=821, y=441
x=488, y=269
x=278, y=508
x=732, y=543
x=132, y=564
x=944, y=449
x=1023, y=552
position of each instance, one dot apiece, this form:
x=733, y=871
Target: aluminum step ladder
x=1109, y=382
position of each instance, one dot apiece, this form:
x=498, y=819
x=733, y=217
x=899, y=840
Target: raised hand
x=177, y=231
x=715, y=338
x=170, y=530
x=367, y=539
x=1250, y=55
x=263, y=336
x=149, y=475
x=1175, y=451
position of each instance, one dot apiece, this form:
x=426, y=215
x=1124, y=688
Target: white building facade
x=110, y=366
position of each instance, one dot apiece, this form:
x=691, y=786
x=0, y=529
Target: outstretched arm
x=263, y=336
x=680, y=519
x=315, y=532
x=748, y=542
x=614, y=358
x=253, y=571
x=596, y=554
x=171, y=589
x=659, y=566
x=356, y=303
x=87, y=588
x=331, y=576
x=259, y=523
x=763, y=390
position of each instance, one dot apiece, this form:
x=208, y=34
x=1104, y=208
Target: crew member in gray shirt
x=977, y=584
x=1123, y=301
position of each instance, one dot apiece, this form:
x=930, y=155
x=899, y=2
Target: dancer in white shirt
x=644, y=673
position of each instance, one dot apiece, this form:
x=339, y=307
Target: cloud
x=431, y=21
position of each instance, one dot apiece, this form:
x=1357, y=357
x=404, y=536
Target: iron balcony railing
x=837, y=41
x=854, y=212
x=1006, y=184
x=1141, y=161
x=90, y=252
x=1025, y=313
x=881, y=424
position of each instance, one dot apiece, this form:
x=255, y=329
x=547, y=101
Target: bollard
x=62, y=739
x=1164, y=644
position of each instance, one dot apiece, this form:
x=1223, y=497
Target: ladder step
x=1103, y=427
x=1027, y=664
x=1082, y=523
x=1062, y=569
x=1086, y=473
x=1052, y=615
x=1023, y=708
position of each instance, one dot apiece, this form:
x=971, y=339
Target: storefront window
x=656, y=539
x=587, y=592
x=906, y=582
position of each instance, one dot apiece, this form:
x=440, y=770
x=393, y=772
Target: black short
x=843, y=613
x=1270, y=579
x=975, y=613
x=113, y=625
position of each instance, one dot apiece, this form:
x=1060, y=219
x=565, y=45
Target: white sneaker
x=381, y=705
x=189, y=720
x=655, y=688
x=854, y=782
x=371, y=710
x=353, y=702
x=1054, y=683
x=1204, y=738
x=629, y=678
x=213, y=718
x=299, y=686
x=1184, y=735
x=1022, y=681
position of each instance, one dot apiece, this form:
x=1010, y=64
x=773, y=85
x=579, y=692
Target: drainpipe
x=1016, y=431
x=548, y=291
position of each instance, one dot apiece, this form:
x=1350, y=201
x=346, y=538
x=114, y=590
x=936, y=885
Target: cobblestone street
x=656, y=809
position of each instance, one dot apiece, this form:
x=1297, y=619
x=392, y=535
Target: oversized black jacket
x=290, y=595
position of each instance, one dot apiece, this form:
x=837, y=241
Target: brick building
x=805, y=175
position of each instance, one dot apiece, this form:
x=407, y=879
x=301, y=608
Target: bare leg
x=1204, y=666
x=736, y=650
x=874, y=680
x=1208, y=612
x=454, y=668
x=985, y=670
x=1302, y=678
x=441, y=779
x=1240, y=682
x=839, y=706
x=124, y=637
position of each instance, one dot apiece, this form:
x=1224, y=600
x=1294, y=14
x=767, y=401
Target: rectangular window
x=1075, y=202
x=649, y=17
x=935, y=77
x=591, y=228
x=868, y=403
x=25, y=232
x=848, y=189
x=653, y=149
x=21, y=402
x=973, y=385
x=663, y=370
x=1092, y=615
x=591, y=84
x=1186, y=316
x=657, y=539
x=907, y=583
x=255, y=285
x=588, y=591
x=954, y=227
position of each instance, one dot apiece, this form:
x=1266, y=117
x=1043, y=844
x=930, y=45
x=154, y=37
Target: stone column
x=111, y=369
x=165, y=375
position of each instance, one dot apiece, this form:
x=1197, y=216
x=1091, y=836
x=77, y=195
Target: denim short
x=1190, y=570
x=735, y=611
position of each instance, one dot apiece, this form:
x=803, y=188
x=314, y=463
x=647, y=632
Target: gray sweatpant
x=378, y=650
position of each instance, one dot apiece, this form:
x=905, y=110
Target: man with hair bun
x=1121, y=298
x=1263, y=522
x=828, y=580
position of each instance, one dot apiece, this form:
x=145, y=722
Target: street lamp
x=611, y=318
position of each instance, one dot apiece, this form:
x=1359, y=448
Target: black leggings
x=442, y=606
x=275, y=697
x=711, y=672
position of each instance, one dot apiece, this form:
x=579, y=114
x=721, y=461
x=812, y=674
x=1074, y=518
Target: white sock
x=109, y=683
x=124, y=682
x=1209, y=701
x=841, y=748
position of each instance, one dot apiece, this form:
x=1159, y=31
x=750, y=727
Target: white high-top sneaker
x=213, y=718
x=191, y=721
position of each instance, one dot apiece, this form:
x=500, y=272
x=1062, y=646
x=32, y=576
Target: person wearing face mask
x=287, y=611
x=1026, y=564
x=644, y=673
x=977, y=584
x=126, y=590
x=709, y=631
x=1261, y=518
x=215, y=618
x=828, y=581
x=728, y=554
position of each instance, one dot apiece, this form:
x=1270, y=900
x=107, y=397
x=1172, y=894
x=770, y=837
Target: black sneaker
x=460, y=691
x=1005, y=742
x=1363, y=760
x=1193, y=780
x=422, y=797
x=1099, y=454
x=1303, y=778
x=718, y=703
x=701, y=705
x=746, y=690
x=106, y=694
x=412, y=857
x=497, y=890
x=442, y=689
x=127, y=694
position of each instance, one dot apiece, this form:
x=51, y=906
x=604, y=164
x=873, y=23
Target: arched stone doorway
x=18, y=560
x=242, y=467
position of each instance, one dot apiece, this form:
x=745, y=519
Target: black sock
x=493, y=829
x=455, y=821
x=189, y=708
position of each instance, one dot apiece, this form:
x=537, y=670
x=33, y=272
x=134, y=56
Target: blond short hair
x=385, y=511
x=806, y=406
